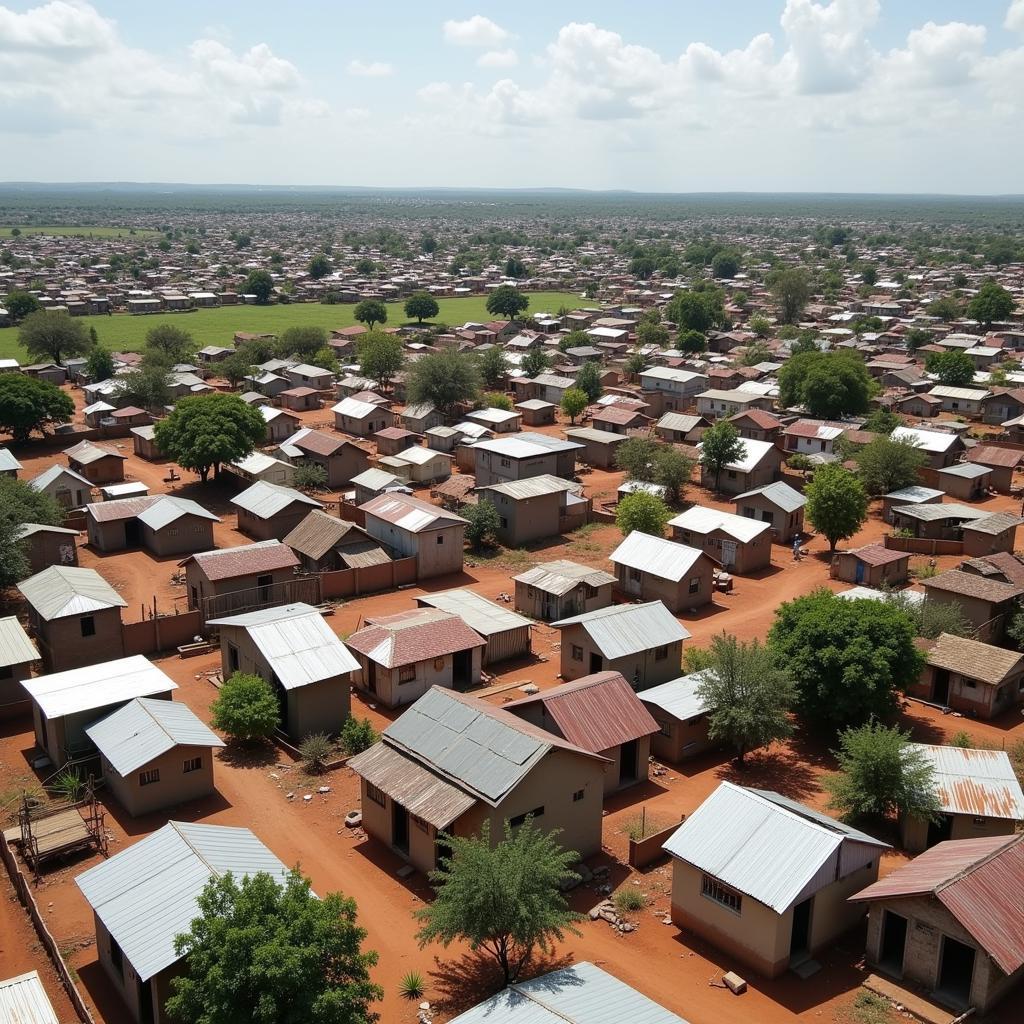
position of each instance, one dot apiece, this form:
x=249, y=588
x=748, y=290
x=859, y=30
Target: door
x=939, y=832
x=146, y=1001
x=629, y=755
x=462, y=670
x=399, y=827
x=894, y=941
x=371, y=676
x=800, y=939
x=596, y=663
x=132, y=533
x=859, y=577
x=264, y=582
x=956, y=971
x=728, y=553
x=940, y=686
x=632, y=582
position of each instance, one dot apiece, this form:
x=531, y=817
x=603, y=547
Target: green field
x=79, y=232
x=125, y=333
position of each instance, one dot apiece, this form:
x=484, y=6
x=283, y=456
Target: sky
x=653, y=95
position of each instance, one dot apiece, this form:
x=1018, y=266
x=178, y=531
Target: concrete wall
x=14, y=699
x=914, y=830
x=532, y=601
x=785, y=525
x=175, y=785
x=62, y=645
x=277, y=527
x=644, y=667
x=526, y=519
x=675, y=596
x=683, y=740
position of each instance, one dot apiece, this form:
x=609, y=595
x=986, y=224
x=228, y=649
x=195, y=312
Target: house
x=536, y=412
x=444, y=439
x=506, y=634
x=253, y=575
x=95, y=413
x=919, y=406
x=23, y=999
x=131, y=416
x=68, y=488
x=258, y=466
x=940, y=447
x=498, y=421
x=994, y=534
x=293, y=649
x=642, y=641
x=965, y=481
x=522, y=456
x=340, y=458
x=421, y=417
x=952, y=921
x=971, y=677
x=936, y=521
x=315, y=378
x=913, y=495
x=97, y=463
x=873, y=565
x=269, y=511
x=452, y=762
x=1002, y=461
x=769, y=912
x=9, y=465
x=777, y=504
x=655, y=569
x=530, y=509
x=17, y=655
x=162, y=524
x=757, y=425
x=280, y=423
x=1002, y=404
x=737, y=543
x=146, y=895
x=681, y=716
x=599, y=713
x=978, y=793
x=75, y=616
x=392, y=440
x=374, y=482
x=985, y=603
x=65, y=704
x=557, y=590
x=681, y=428
x=812, y=437
x=620, y=419
x=675, y=388
x=598, y=447
x=402, y=656
x=144, y=442
x=716, y=404
x=300, y=399
x=326, y=544
x=45, y=545
x=416, y=529
x=962, y=401
x=1003, y=566
x=425, y=466
x=759, y=465
x=363, y=419
x=154, y=754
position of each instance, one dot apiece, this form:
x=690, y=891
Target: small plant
x=69, y=784
x=314, y=750
x=870, y=1008
x=961, y=739
x=411, y=985
x=357, y=735
x=925, y=571
x=629, y=900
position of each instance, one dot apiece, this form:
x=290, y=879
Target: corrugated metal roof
x=144, y=729
x=50, y=476
x=580, y=994
x=927, y=440
x=753, y=453
x=560, y=577
x=593, y=434
x=482, y=616
x=780, y=493
x=915, y=494
x=933, y=512
x=61, y=590
x=264, y=499
x=409, y=513
x=319, y=532
x=625, y=629
x=15, y=646
x=8, y=462
x=23, y=1000
x=677, y=697
x=417, y=455
x=227, y=563
x=761, y=847
x=354, y=409
x=679, y=421
x=700, y=519
x=29, y=529
x=410, y=637
x=375, y=479
x=85, y=453
x=995, y=524
x=533, y=487
x=148, y=894
x=97, y=686
x=258, y=462
x=976, y=782
x=662, y=558
x=526, y=445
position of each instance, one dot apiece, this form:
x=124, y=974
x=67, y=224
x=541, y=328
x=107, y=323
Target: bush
x=315, y=750
x=246, y=708
x=482, y=523
x=411, y=985
x=497, y=400
x=644, y=512
x=629, y=900
x=69, y=784
x=961, y=739
x=357, y=735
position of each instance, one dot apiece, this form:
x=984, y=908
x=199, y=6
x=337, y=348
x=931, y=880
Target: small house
x=757, y=425
x=716, y=404
x=45, y=545
x=23, y=998
x=521, y=456
x=619, y=419
x=965, y=481
x=673, y=390
x=506, y=634
x=681, y=716
x=144, y=442
x=737, y=543
x=759, y=465
x=314, y=378
x=985, y=603
x=652, y=568
x=17, y=655
x=97, y=463
x=341, y=458
x=996, y=533
x=416, y=529
x=941, y=448
x=259, y=466
x=242, y=578
x=68, y=488
x=681, y=428
x=558, y=590
x=280, y=423
x=777, y=504
x=960, y=401
x=363, y=419
x=530, y=509
x=326, y=544
x=9, y=465
x=535, y=412
x=163, y=524
x=1003, y=462
x=598, y=447
x=929, y=521
x=498, y=421
x=269, y=511
x=392, y=440
x=971, y=677
x=300, y=399
x=425, y=466
x=913, y=495
x=373, y=482
x=873, y=565
x=421, y=417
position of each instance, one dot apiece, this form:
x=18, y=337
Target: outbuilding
x=974, y=678
x=739, y=544
x=163, y=524
x=652, y=568
x=97, y=463
x=506, y=634
x=531, y=509
x=269, y=511
x=416, y=529
x=239, y=579
x=777, y=504
x=46, y=545
x=557, y=590
x=598, y=446
x=17, y=656
x=68, y=488
x=326, y=544
x=873, y=565
x=682, y=718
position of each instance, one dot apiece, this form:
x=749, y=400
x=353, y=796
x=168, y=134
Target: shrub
x=411, y=985
x=357, y=735
x=69, y=784
x=314, y=750
x=246, y=708
x=629, y=900
x=961, y=739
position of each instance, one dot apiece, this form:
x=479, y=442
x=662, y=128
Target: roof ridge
x=976, y=865
x=160, y=725
x=174, y=825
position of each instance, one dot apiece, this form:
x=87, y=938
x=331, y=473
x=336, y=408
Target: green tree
x=246, y=708
x=497, y=400
x=504, y=900
x=574, y=401
x=493, y=367
x=635, y=364
x=642, y=267
x=992, y=303
x=946, y=307
x=149, y=387
x=725, y=263
x=482, y=524
x=325, y=358
x=760, y=325
x=636, y=457
x=445, y=378
x=644, y=512
x=100, y=364
x=791, y=289
x=236, y=368
x=205, y=431
x=837, y=504
x=748, y=696
x=881, y=421
x=886, y=465
x=882, y=774
x=697, y=310
x=173, y=343
x=954, y=369
x=365, y=267
x=720, y=445
x=27, y=404
x=310, y=477
x=301, y=342
x=422, y=305
x=829, y=384
x=672, y=469
x=933, y=618
x=49, y=336
x=850, y=660
x=20, y=303
x=534, y=362
x=515, y=267
x=263, y=952
x=260, y=284
x=371, y=312
x=756, y=352
x=654, y=334
x=588, y=380
x=869, y=274
x=319, y=266
x=916, y=337
x=507, y=301
x=574, y=339
x=20, y=504
x=691, y=342
x=381, y=356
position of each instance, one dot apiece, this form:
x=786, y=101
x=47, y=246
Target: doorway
x=462, y=670
x=940, y=831
x=145, y=1001
x=629, y=755
x=800, y=939
x=399, y=827
x=264, y=582
x=596, y=663
x=282, y=702
x=894, y=941
x=956, y=971
x=940, y=686
x=132, y=533
x=728, y=554
x=371, y=676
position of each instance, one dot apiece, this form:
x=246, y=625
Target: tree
x=720, y=445
x=635, y=364
x=869, y=274
x=946, y=307
x=149, y=387
x=260, y=284
x=246, y=708
x=268, y=952
x=381, y=356
x=653, y=334
x=791, y=290
x=99, y=364
x=365, y=267
x=837, y=504
x=504, y=900
x=886, y=465
x=931, y=619
x=954, y=369
x=760, y=325
x=644, y=512
x=725, y=263
x=672, y=469
x=497, y=400
x=301, y=342
x=515, y=267
x=992, y=303
x=636, y=457
x=882, y=774
x=574, y=339
x=47, y=336
x=236, y=368
x=493, y=367
x=445, y=378
x=423, y=306
x=507, y=301
x=173, y=343
x=850, y=660
x=916, y=337
x=20, y=504
x=642, y=266
x=829, y=384
x=535, y=361
x=319, y=266
x=574, y=401
x=754, y=353
x=691, y=342
x=697, y=310
x=482, y=524
x=20, y=303
x=204, y=431
x=370, y=312
x=310, y=478
x=881, y=421
x=27, y=404
x=325, y=358
x=588, y=380
x=748, y=696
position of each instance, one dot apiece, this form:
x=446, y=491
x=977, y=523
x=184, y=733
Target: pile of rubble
x=605, y=911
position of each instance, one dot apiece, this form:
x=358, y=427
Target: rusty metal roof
x=410, y=637
x=976, y=782
x=319, y=532
x=227, y=563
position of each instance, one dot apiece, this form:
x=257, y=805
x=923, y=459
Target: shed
x=681, y=716
x=652, y=568
x=507, y=635
x=681, y=428
x=536, y=412
x=99, y=464
x=68, y=488
x=416, y=529
x=965, y=481
x=17, y=655
x=326, y=544
x=873, y=565
x=260, y=466
x=557, y=590
x=269, y=511
x=144, y=442
x=1003, y=462
x=530, y=509
x=599, y=446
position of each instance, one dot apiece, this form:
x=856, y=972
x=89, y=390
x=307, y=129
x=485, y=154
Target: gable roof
x=23, y=1000
x=624, y=629
x=956, y=581
x=778, y=493
x=677, y=697
x=62, y=590
x=85, y=453
x=264, y=499
x=655, y=555
x=53, y=474
x=319, y=532
x=417, y=635
x=754, y=452
x=977, y=782
x=15, y=646
x=409, y=513
x=974, y=659
x=484, y=617
x=701, y=519
x=561, y=576
x=927, y=440
x=245, y=560
x=533, y=487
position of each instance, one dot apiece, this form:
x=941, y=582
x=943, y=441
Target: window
x=634, y=574
x=537, y=812
x=506, y=462
x=193, y=764
x=971, y=684
x=712, y=889
x=233, y=657
x=7, y=672
x=440, y=540
x=695, y=585
x=172, y=531
x=750, y=513
x=577, y=653
x=529, y=593
x=731, y=474
x=88, y=624
x=577, y=796
x=376, y=795
x=665, y=730
x=406, y=673
x=149, y=777
x=661, y=653
x=504, y=522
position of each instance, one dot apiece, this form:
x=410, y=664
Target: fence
x=163, y=633
x=924, y=545
x=301, y=589
x=368, y=580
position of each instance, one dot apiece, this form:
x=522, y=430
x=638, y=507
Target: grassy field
x=78, y=232
x=125, y=333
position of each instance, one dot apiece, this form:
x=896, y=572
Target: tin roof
x=533, y=487
x=876, y=554
x=976, y=782
x=53, y=474
x=956, y=581
x=927, y=440
x=679, y=421
x=484, y=617
x=991, y=455
x=995, y=524
x=227, y=563
x=526, y=445
x=148, y=894
x=30, y=529
x=930, y=513
x=374, y=479
x=701, y=519
x=595, y=435
x=265, y=500
x=677, y=697
x=62, y=590
x=85, y=453
x=309, y=440
x=754, y=452
x=915, y=494
x=417, y=635
x=15, y=646
x=779, y=493
x=319, y=532
x=354, y=409
x=8, y=462
x=23, y=1000
x=662, y=558
x=625, y=629
x=561, y=576
x=409, y=513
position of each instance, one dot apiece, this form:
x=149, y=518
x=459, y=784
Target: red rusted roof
x=316, y=442
x=617, y=414
x=877, y=554
x=394, y=434
x=409, y=637
x=990, y=455
x=226, y=563
x=760, y=418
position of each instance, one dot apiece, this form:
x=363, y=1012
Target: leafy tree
x=236, y=368
x=655, y=334
x=760, y=325
x=507, y=301
x=246, y=708
x=574, y=339
x=933, y=618
x=574, y=401
x=445, y=378
x=869, y=274
x=954, y=369
x=644, y=512
x=357, y=735
x=497, y=400
x=260, y=284
x=99, y=364
x=428, y=243
x=850, y=659
x=725, y=264
x=20, y=504
x=381, y=356
x=946, y=307
x=204, y=431
x=325, y=358
x=504, y=900
x=791, y=289
x=881, y=421
x=259, y=350
x=27, y=404
x=174, y=343
x=422, y=305
x=535, y=361
x=365, y=267
x=635, y=364
x=747, y=694
x=588, y=380
x=20, y=303
x=886, y=465
x=50, y=335
x=697, y=310
x=482, y=524
x=756, y=352
x=310, y=477
x=270, y=953
x=319, y=266
x=148, y=387
x=829, y=384
x=881, y=774
x=916, y=337
x=799, y=463
x=642, y=267
x=805, y=341
x=636, y=457
x=515, y=267
x=992, y=303
x=837, y=504
x=493, y=367
x=300, y=342
x=720, y=445
x=370, y=312
x=672, y=469
x=691, y=342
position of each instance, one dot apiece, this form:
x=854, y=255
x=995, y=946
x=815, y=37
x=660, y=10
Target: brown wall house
x=341, y=458
x=655, y=569
x=163, y=524
x=270, y=512
x=682, y=719
x=987, y=536
x=529, y=509
x=739, y=544
x=760, y=466
x=777, y=504
x=435, y=538
x=252, y=572
x=521, y=456
x=599, y=446
x=870, y=566
x=97, y=463
x=1002, y=462
x=17, y=656
x=557, y=590
x=985, y=603
x=48, y=545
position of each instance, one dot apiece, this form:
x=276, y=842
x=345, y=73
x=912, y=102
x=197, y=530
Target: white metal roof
x=700, y=519
x=624, y=629
x=869, y=594
x=526, y=445
x=964, y=394
x=97, y=686
x=15, y=646
x=914, y=494
x=23, y=1000
x=258, y=462
x=659, y=557
x=532, y=487
x=355, y=409
x=8, y=462
x=668, y=373
x=927, y=440
x=53, y=474
x=787, y=498
x=754, y=452
x=978, y=782
x=483, y=616
x=678, y=697
x=144, y=729
x=169, y=509
x=561, y=576
x=417, y=455
x=491, y=415
x=375, y=479
x=148, y=894
x=61, y=590
x=264, y=499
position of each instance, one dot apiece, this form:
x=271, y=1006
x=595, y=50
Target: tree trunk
x=203, y=473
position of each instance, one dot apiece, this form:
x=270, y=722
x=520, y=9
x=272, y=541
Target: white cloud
x=57, y=27
x=828, y=47
x=498, y=59
x=1015, y=16
x=370, y=69
x=939, y=55
x=475, y=31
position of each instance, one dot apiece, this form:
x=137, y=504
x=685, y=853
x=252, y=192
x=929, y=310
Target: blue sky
x=773, y=95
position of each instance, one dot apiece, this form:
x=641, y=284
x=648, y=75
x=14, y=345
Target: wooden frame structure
x=55, y=829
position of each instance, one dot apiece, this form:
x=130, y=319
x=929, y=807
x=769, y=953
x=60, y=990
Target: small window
x=731, y=474
x=695, y=585
x=506, y=462
x=147, y=778
x=577, y=796
x=504, y=522
x=661, y=653
x=577, y=653
x=193, y=764
x=172, y=531
x=665, y=730
x=440, y=540
x=537, y=812
x=376, y=795
x=116, y=956
x=7, y=672
x=971, y=684
x=529, y=593
x=712, y=889
x=406, y=673
x=88, y=624
x=634, y=574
